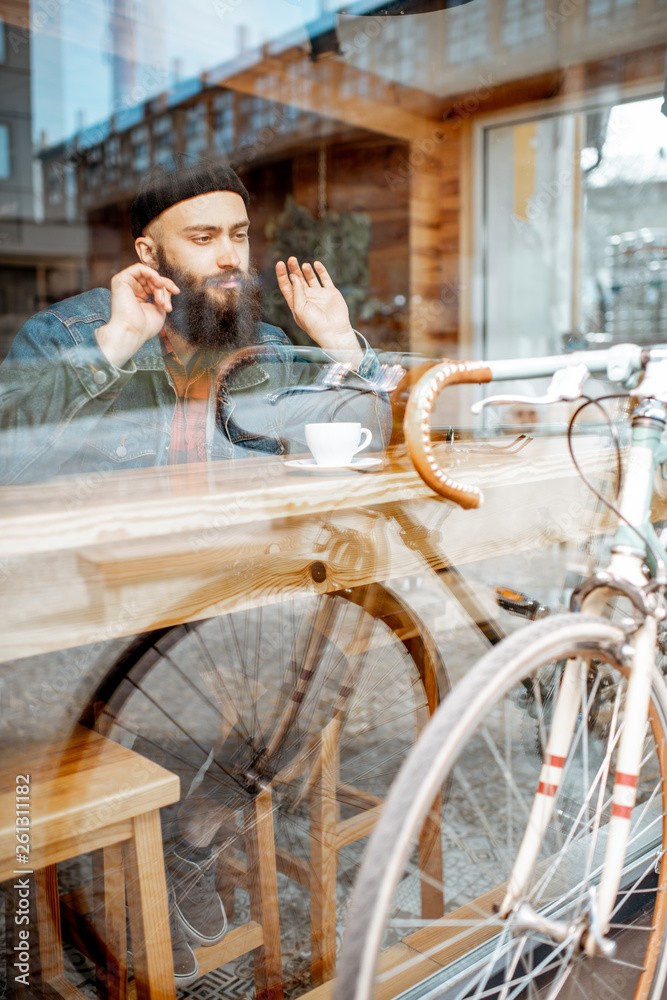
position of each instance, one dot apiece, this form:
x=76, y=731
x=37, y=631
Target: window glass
x=404, y=143
x=480, y=179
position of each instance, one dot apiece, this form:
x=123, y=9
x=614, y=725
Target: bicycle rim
x=486, y=743
x=223, y=704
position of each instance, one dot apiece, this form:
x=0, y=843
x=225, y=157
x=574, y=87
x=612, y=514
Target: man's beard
x=214, y=323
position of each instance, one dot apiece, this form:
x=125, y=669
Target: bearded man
x=129, y=378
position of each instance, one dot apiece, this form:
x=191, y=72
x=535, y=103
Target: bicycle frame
x=633, y=565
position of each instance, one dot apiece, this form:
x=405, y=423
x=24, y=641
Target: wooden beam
x=237, y=942
x=464, y=264
x=434, y=243
x=334, y=89
x=15, y=12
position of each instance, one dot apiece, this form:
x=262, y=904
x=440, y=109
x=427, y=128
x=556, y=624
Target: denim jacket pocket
x=130, y=439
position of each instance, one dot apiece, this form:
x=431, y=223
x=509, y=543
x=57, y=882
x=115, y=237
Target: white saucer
x=310, y=465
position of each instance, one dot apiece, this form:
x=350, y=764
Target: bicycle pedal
x=520, y=604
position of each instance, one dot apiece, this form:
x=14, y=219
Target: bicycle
x=553, y=754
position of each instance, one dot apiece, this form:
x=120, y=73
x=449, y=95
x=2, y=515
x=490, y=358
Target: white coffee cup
x=337, y=443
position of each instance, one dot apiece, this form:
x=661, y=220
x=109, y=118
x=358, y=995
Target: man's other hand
x=140, y=301
x=319, y=308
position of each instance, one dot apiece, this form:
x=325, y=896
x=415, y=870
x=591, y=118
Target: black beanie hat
x=161, y=189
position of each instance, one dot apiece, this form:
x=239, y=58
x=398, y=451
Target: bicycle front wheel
x=486, y=743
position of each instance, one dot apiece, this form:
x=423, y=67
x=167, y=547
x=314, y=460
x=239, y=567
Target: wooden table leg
x=148, y=910
x=47, y=905
x=323, y=820
x=263, y=890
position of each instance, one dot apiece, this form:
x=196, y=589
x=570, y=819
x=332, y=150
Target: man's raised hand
x=318, y=307
x=140, y=301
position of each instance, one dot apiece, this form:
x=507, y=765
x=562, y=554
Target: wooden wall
x=434, y=245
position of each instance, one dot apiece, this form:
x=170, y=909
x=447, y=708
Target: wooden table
x=94, y=555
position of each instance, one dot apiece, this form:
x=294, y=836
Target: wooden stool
x=89, y=794
x=329, y=834
x=261, y=934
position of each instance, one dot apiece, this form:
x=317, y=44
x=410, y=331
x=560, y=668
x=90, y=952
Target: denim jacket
x=64, y=408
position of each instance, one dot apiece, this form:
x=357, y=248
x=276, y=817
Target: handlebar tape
x=417, y=427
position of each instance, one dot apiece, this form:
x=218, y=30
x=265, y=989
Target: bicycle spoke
x=181, y=728
x=160, y=748
x=602, y=778
x=504, y=769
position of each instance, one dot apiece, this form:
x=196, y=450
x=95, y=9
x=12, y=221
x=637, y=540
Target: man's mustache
x=240, y=277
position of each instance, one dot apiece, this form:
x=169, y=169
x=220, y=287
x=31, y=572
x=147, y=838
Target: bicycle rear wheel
x=487, y=743
x=238, y=703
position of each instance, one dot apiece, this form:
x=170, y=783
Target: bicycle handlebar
x=418, y=431
x=622, y=363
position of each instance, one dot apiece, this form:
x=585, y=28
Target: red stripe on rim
x=626, y=779
x=622, y=812
x=544, y=789
x=554, y=761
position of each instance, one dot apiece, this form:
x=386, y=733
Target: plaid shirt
x=188, y=426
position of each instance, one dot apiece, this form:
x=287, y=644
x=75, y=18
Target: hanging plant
x=340, y=240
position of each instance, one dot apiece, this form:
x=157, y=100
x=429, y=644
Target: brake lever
x=566, y=385
x=333, y=377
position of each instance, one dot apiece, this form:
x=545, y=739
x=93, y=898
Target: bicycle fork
x=631, y=743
